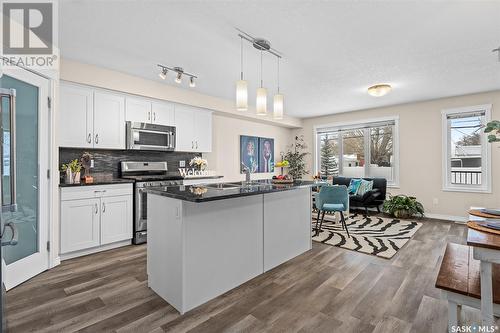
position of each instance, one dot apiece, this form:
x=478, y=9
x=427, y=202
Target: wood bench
x=459, y=281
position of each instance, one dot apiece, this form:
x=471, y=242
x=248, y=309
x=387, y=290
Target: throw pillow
x=354, y=185
x=365, y=186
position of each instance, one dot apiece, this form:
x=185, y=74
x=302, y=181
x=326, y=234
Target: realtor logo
x=27, y=28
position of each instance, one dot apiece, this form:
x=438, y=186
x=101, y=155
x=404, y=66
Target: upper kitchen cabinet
x=109, y=121
x=146, y=111
x=193, y=129
x=91, y=118
x=76, y=118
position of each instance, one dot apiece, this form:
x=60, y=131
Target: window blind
x=355, y=127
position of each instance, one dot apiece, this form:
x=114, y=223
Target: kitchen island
x=206, y=240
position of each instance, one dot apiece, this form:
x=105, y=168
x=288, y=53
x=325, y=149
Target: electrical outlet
x=92, y=163
x=435, y=201
x=182, y=164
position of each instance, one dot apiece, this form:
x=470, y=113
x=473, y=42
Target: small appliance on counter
x=145, y=174
x=145, y=136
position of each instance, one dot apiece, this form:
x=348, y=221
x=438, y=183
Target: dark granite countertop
x=98, y=182
x=203, y=193
x=202, y=177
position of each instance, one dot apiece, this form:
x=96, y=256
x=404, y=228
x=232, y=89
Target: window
x=358, y=150
x=466, y=153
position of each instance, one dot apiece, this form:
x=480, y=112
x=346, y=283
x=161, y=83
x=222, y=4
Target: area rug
x=379, y=236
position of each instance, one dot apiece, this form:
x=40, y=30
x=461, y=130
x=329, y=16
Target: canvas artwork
x=249, y=155
x=266, y=155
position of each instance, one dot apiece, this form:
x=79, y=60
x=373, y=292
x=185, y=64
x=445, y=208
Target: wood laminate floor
x=327, y=289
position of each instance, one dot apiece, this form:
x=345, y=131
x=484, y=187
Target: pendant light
x=241, y=87
x=261, y=103
x=278, y=99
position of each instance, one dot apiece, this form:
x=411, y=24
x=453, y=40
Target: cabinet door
x=138, y=110
x=109, y=121
x=184, y=117
x=75, y=116
x=162, y=113
x=116, y=219
x=203, y=131
x=79, y=224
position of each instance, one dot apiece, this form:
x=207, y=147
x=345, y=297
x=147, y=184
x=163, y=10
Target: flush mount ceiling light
x=178, y=76
x=262, y=45
x=379, y=90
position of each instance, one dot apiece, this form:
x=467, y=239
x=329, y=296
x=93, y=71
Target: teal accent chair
x=332, y=199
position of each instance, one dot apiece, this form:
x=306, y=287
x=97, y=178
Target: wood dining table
x=486, y=248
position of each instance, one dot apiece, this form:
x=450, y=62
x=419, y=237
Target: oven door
x=150, y=137
x=141, y=210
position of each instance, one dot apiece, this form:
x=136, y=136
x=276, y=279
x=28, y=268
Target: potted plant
x=72, y=170
x=295, y=157
x=493, y=130
x=403, y=206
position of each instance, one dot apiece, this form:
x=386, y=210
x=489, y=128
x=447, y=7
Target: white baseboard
x=460, y=219
x=66, y=256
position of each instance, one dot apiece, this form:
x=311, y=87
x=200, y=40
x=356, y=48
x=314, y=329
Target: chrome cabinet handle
x=192, y=144
x=15, y=234
x=96, y=139
x=96, y=209
x=149, y=115
x=154, y=116
x=89, y=138
x=103, y=207
x=196, y=144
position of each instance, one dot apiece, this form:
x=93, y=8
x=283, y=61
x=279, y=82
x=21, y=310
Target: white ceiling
x=332, y=50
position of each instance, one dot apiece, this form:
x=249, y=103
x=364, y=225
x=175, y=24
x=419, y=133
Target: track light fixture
x=178, y=76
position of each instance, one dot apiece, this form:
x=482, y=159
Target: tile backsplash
x=108, y=161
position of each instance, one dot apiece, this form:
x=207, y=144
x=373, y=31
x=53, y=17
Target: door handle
x=15, y=234
x=96, y=139
x=89, y=138
x=96, y=209
x=103, y=207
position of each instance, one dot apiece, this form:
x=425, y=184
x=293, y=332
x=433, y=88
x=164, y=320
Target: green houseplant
x=72, y=170
x=295, y=157
x=403, y=206
x=493, y=130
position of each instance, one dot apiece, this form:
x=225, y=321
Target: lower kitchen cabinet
x=95, y=218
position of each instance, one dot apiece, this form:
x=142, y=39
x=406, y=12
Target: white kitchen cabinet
x=162, y=113
x=91, y=118
x=95, y=218
x=79, y=224
x=76, y=119
x=109, y=120
x=193, y=129
x=138, y=110
x=116, y=217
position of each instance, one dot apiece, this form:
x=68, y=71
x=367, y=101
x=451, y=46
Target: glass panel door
x=25, y=150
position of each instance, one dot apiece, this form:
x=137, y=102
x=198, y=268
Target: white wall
x=225, y=157
x=420, y=151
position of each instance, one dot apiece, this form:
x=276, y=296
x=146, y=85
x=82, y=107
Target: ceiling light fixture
x=178, y=76
x=163, y=73
x=379, y=90
x=262, y=45
x=261, y=102
x=278, y=99
x=241, y=86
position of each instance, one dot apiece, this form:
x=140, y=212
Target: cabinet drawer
x=95, y=191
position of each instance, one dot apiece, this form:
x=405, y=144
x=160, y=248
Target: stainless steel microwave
x=145, y=136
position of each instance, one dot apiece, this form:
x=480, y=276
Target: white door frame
x=26, y=268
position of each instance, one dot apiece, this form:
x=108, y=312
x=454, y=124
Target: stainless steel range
x=146, y=174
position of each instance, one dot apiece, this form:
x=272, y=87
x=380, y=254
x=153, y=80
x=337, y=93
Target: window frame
x=485, y=186
x=356, y=125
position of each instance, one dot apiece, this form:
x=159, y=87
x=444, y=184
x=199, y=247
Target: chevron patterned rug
x=379, y=236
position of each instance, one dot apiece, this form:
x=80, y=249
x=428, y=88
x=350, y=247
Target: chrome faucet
x=247, y=173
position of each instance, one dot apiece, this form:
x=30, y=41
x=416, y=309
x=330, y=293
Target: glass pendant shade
x=261, y=104
x=278, y=106
x=241, y=95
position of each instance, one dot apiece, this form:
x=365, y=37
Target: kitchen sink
x=223, y=186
